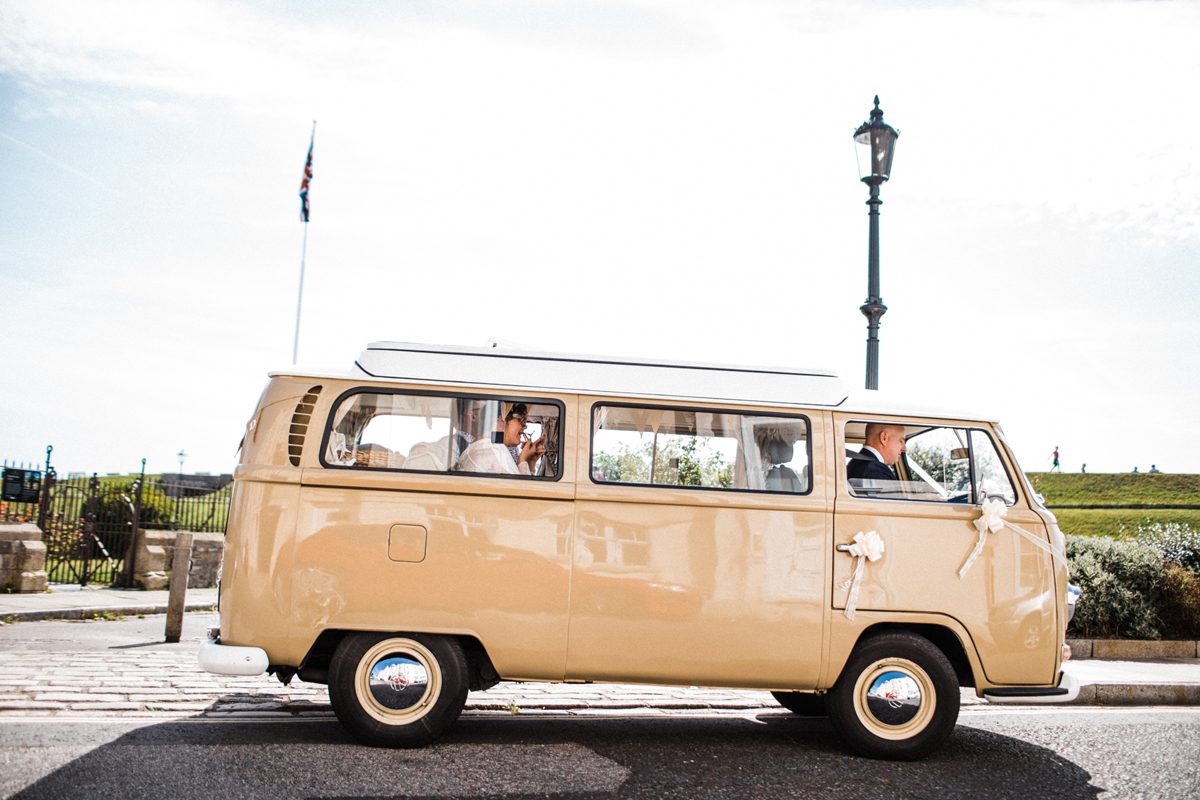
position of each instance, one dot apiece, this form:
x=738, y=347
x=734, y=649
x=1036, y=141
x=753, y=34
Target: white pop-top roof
x=583, y=374
x=540, y=370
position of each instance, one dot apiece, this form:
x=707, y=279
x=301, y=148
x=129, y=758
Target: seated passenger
x=484, y=455
x=780, y=477
x=428, y=456
x=884, y=444
x=472, y=413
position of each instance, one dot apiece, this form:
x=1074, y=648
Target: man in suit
x=885, y=443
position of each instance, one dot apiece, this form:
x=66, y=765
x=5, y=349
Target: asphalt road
x=761, y=753
x=1075, y=753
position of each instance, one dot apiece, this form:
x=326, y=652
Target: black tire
x=419, y=687
x=914, y=705
x=806, y=704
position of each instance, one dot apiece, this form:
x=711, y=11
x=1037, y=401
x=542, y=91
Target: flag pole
x=300, y=295
x=304, y=247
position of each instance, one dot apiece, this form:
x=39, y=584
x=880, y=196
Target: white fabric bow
x=991, y=520
x=867, y=547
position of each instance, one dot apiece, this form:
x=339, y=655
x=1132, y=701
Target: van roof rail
x=607, y=375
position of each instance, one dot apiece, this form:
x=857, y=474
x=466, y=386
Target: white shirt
x=483, y=455
x=875, y=453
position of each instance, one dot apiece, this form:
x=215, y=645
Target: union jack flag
x=307, y=178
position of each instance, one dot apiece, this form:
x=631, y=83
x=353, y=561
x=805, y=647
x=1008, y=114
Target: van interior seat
x=781, y=478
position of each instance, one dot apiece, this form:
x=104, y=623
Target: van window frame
x=702, y=410
x=451, y=393
x=1002, y=454
x=968, y=427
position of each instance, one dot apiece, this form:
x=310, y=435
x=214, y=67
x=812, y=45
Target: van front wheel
x=896, y=699
x=397, y=690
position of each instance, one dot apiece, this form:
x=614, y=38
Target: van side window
x=935, y=463
x=445, y=433
x=705, y=449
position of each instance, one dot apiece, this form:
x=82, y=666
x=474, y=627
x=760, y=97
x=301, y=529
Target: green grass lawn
x=1115, y=488
x=1120, y=523
x=1118, y=489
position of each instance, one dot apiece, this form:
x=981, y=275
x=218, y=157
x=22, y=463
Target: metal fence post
x=47, y=487
x=131, y=551
x=84, y=544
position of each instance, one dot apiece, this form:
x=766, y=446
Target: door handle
x=844, y=548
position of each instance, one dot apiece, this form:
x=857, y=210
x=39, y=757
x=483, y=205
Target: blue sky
x=641, y=178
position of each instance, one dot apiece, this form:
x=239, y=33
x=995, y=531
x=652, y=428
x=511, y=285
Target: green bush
x=114, y=508
x=1121, y=583
x=1179, y=610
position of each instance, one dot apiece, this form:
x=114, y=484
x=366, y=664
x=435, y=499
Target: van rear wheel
x=397, y=690
x=805, y=704
x=897, y=698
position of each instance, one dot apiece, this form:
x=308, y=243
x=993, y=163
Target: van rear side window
x=703, y=449
x=417, y=432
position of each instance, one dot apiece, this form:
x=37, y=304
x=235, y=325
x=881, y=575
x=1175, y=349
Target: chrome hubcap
x=398, y=681
x=894, y=698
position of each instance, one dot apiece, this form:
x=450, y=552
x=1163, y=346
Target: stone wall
x=22, y=557
x=156, y=550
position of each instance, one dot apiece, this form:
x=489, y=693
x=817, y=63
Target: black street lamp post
x=876, y=145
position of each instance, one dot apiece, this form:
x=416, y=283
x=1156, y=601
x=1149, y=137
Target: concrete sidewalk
x=1107, y=682
x=70, y=601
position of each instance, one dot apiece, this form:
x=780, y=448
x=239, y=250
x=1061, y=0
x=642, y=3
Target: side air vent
x=300, y=422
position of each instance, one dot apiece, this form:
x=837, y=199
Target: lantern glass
x=875, y=144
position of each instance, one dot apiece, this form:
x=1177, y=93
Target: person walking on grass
x=1056, y=467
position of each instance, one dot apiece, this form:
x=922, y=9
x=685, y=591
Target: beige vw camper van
x=438, y=519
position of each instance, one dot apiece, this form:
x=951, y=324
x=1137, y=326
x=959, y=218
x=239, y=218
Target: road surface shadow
x=516, y=758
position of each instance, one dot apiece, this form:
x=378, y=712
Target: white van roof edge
x=885, y=403
x=615, y=376
x=602, y=375
x=592, y=358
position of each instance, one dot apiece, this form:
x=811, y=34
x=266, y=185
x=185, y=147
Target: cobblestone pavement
x=154, y=684
x=123, y=669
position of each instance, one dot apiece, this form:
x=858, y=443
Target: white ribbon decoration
x=867, y=547
x=991, y=520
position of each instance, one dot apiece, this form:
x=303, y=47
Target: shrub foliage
x=115, y=506
x=1179, y=612
x=1142, y=587
x=1121, y=583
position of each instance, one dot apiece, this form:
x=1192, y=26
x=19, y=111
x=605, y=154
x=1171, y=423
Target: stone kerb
x=22, y=557
x=156, y=549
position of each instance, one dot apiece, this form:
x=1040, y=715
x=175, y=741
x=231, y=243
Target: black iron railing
x=88, y=523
